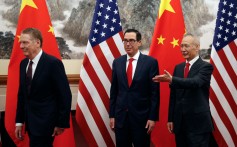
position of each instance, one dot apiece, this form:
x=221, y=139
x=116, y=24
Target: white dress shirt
x=134, y=63
x=35, y=63
x=192, y=61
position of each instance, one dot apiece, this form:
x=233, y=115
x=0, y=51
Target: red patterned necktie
x=129, y=72
x=186, y=70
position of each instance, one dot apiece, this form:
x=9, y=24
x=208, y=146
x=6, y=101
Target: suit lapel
x=23, y=72
x=139, y=67
x=39, y=68
x=25, y=63
x=180, y=70
x=194, y=67
x=123, y=68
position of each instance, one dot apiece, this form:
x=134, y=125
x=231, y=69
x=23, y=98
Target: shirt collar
x=191, y=62
x=37, y=57
x=135, y=57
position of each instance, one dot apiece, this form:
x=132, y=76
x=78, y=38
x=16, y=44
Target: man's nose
x=182, y=48
x=21, y=45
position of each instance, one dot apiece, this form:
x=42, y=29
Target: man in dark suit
x=44, y=96
x=134, y=97
x=189, y=111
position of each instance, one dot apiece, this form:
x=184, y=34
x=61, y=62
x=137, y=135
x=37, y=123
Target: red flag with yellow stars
x=168, y=34
x=33, y=13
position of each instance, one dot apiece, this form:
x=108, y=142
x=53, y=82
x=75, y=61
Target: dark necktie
x=129, y=72
x=186, y=70
x=29, y=77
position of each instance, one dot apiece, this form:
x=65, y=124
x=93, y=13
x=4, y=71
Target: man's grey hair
x=196, y=40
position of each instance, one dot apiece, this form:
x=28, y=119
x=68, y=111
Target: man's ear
x=38, y=41
x=197, y=47
x=140, y=43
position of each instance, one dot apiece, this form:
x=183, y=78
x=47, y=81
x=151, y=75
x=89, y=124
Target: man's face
x=131, y=44
x=189, y=50
x=29, y=46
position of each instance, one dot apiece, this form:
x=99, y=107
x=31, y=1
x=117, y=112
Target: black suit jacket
x=140, y=101
x=49, y=101
x=189, y=98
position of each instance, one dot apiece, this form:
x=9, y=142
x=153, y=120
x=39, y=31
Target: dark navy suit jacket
x=189, y=98
x=49, y=101
x=140, y=101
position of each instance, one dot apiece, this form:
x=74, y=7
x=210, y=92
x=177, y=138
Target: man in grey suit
x=134, y=97
x=189, y=111
x=44, y=96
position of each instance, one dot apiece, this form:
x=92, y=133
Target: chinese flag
x=168, y=34
x=33, y=13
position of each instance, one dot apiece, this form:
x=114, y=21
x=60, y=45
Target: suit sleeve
x=20, y=112
x=113, y=92
x=201, y=79
x=172, y=101
x=64, y=96
x=155, y=92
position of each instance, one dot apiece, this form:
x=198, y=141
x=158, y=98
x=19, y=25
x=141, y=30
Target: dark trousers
x=192, y=140
x=41, y=141
x=189, y=139
x=128, y=136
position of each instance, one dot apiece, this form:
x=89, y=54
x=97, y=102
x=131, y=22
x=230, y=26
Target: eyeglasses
x=131, y=41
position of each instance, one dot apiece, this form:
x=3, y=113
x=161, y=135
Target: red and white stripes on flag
x=223, y=95
x=104, y=45
x=223, y=91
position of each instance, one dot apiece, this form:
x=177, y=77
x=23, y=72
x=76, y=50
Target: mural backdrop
x=72, y=21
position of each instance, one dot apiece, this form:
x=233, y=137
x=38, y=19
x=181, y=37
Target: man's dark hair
x=138, y=34
x=35, y=33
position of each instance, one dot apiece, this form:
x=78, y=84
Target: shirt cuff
x=19, y=124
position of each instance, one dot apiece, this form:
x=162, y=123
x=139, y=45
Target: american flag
x=223, y=92
x=104, y=45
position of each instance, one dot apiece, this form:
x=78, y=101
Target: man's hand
x=150, y=126
x=166, y=77
x=112, y=123
x=18, y=132
x=57, y=131
x=170, y=127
